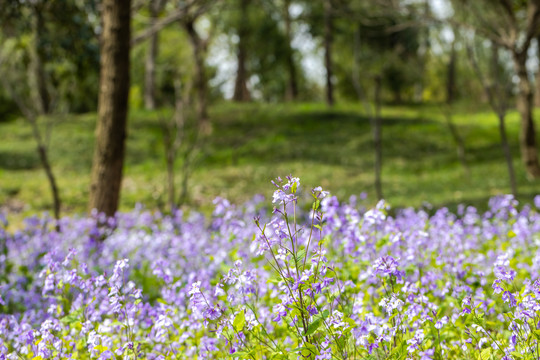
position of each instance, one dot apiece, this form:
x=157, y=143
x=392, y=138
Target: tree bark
x=451, y=75
x=292, y=86
x=199, y=49
x=109, y=150
x=43, y=155
x=537, y=85
x=524, y=101
x=150, y=62
x=507, y=154
x=43, y=96
x=328, y=37
x=241, y=91
x=497, y=91
x=500, y=85
x=458, y=140
x=377, y=138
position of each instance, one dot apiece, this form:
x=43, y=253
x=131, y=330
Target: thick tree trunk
x=241, y=91
x=328, y=30
x=150, y=63
x=200, y=77
x=112, y=107
x=292, y=85
x=529, y=153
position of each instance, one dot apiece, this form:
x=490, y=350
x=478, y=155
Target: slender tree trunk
x=377, y=137
x=497, y=92
x=112, y=107
x=451, y=75
x=200, y=77
x=507, y=153
x=458, y=140
x=292, y=85
x=356, y=77
x=43, y=155
x=524, y=101
x=423, y=56
x=537, y=85
x=241, y=91
x=500, y=85
x=328, y=37
x=450, y=98
x=43, y=96
x=150, y=62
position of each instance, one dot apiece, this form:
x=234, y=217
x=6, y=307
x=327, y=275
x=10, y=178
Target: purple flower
x=385, y=266
x=212, y=313
x=312, y=309
x=503, y=274
x=281, y=312
x=509, y=298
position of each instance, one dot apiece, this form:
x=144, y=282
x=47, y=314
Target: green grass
x=253, y=143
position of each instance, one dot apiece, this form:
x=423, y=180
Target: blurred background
x=413, y=101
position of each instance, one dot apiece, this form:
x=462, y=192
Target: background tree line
x=70, y=56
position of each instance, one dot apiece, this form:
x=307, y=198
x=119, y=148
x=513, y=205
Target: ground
x=253, y=143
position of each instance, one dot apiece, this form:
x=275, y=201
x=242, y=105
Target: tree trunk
x=200, y=77
x=458, y=140
x=422, y=56
x=377, y=138
x=43, y=155
x=150, y=63
x=500, y=84
x=112, y=107
x=292, y=86
x=537, y=87
x=43, y=96
x=507, y=154
x=451, y=75
x=241, y=91
x=524, y=101
x=328, y=29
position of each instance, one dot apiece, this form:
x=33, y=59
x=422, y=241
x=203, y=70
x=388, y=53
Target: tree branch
x=533, y=25
x=158, y=26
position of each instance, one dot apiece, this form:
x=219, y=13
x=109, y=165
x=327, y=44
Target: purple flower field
x=308, y=280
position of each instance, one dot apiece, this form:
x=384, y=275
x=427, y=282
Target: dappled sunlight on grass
x=253, y=143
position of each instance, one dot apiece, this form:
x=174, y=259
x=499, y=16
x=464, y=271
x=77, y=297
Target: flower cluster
x=328, y=281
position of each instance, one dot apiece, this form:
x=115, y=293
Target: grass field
x=253, y=143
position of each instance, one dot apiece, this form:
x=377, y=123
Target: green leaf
x=313, y=326
x=485, y=354
x=239, y=321
x=300, y=255
x=239, y=354
x=516, y=354
x=72, y=317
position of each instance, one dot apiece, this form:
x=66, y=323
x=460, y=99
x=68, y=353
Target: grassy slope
x=254, y=143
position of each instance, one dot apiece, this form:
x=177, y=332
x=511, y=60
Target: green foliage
x=62, y=34
x=254, y=142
